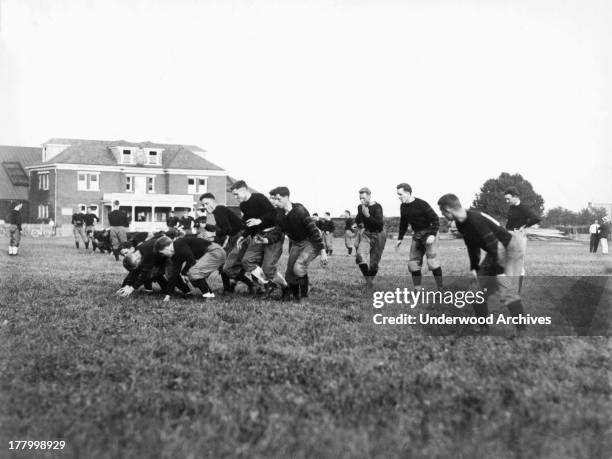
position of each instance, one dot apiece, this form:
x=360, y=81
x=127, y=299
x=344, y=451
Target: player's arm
x=403, y=226
x=531, y=218
x=376, y=216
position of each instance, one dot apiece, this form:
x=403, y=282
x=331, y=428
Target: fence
x=34, y=230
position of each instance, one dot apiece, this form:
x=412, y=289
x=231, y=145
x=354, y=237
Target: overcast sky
x=327, y=96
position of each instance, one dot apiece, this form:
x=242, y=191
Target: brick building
x=148, y=179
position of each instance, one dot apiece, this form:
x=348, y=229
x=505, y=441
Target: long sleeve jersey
x=227, y=222
x=118, y=218
x=258, y=206
x=298, y=225
x=420, y=216
x=521, y=215
x=375, y=222
x=481, y=232
x=14, y=218
x=187, y=251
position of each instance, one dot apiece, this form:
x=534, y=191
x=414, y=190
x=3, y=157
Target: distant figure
x=604, y=233
x=172, y=221
x=594, y=232
x=327, y=228
x=78, y=228
x=350, y=228
x=13, y=219
x=90, y=218
x=520, y=217
x=187, y=222
x=200, y=221
x=118, y=222
x=315, y=218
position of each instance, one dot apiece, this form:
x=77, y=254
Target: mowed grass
x=244, y=377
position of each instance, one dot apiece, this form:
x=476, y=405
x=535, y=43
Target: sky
x=327, y=96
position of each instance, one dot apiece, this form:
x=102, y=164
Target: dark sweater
x=420, y=216
x=14, y=218
x=258, y=206
x=89, y=219
x=227, y=222
x=78, y=219
x=298, y=225
x=171, y=222
x=150, y=260
x=521, y=215
x=187, y=251
x=374, y=222
x=117, y=218
x=327, y=225
x=348, y=224
x=481, y=232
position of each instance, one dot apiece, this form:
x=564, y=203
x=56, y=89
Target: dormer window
x=126, y=157
x=153, y=158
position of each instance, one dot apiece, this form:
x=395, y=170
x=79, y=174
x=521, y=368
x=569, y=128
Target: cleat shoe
x=208, y=295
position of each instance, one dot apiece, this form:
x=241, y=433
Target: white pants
x=604, y=245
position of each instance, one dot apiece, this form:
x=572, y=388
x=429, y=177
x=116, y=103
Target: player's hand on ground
x=125, y=291
x=259, y=239
x=397, y=244
x=166, y=298
x=430, y=239
x=324, y=259
x=253, y=222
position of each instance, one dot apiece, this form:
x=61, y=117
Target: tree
x=559, y=216
x=491, y=200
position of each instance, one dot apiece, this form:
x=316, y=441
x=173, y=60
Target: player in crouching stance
x=425, y=223
x=306, y=243
x=371, y=238
x=194, y=257
x=482, y=232
x=259, y=218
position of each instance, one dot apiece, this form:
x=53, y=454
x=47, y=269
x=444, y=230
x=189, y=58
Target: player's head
x=173, y=233
x=115, y=204
x=132, y=260
x=327, y=216
x=210, y=232
x=404, y=192
x=208, y=201
x=347, y=214
x=279, y=196
x=450, y=206
x=315, y=216
x=240, y=191
x=365, y=195
x=164, y=246
x=511, y=196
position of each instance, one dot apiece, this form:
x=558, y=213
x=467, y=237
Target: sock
x=244, y=279
x=521, y=283
x=373, y=272
x=115, y=252
x=86, y=245
x=77, y=244
x=303, y=283
x=201, y=284
x=416, y=278
x=148, y=284
x=364, y=268
x=295, y=291
x=437, y=273
x=226, y=282
x=331, y=251
x=161, y=280
x=516, y=309
x=350, y=251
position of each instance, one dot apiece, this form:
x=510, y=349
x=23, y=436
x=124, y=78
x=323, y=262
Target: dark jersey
x=375, y=222
x=298, y=225
x=420, y=216
x=348, y=224
x=227, y=223
x=14, y=218
x=521, y=215
x=172, y=222
x=328, y=225
x=186, y=222
x=78, y=219
x=150, y=261
x=117, y=218
x=481, y=232
x=258, y=206
x=90, y=219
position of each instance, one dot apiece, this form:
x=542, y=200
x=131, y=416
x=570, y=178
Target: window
x=43, y=180
x=129, y=183
x=196, y=185
x=88, y=181
x=150, y=184
x=43, y=211
x=153, y=158
x=126, y=157
x=16, y=173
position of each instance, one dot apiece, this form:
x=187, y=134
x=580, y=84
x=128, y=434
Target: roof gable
x=23, y=157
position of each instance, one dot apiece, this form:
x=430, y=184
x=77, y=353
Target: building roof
x=98, y=153
x=12, y=185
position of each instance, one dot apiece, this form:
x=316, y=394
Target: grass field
x=244, y=377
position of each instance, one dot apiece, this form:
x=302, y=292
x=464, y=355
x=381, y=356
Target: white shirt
x=593, y=228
